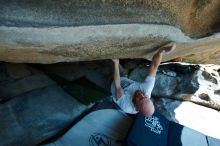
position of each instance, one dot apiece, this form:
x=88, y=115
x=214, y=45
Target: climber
x=133, y=97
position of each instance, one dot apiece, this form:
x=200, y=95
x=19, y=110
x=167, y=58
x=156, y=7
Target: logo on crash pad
x=154, y=124
x=99, y=139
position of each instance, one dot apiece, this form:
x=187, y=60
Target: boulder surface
x=74, y=30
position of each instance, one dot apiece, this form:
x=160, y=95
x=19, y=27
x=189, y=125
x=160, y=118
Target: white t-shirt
x=130, y=87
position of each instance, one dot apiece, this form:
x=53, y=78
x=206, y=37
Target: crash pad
x=158, y=131
x=107, y=127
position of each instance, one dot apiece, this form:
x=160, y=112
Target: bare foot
x=168, y=48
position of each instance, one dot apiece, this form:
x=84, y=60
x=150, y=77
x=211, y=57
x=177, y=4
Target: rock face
x=32, y=107
x=72, y=30
x=187, y=15
x=19, y=78
x=209, y=81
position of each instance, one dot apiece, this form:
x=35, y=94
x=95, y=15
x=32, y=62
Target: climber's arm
x=155, y=63
x=156, y=60
x=118, y=88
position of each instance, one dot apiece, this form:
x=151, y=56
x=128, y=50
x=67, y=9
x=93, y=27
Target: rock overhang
x=50, y=32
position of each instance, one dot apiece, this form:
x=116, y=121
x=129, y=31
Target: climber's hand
x=116, y=61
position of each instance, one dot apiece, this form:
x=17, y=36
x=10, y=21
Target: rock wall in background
x=72, y=30
x=33, y=107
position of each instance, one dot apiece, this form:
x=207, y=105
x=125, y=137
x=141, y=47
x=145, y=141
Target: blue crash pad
x=158, y=131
